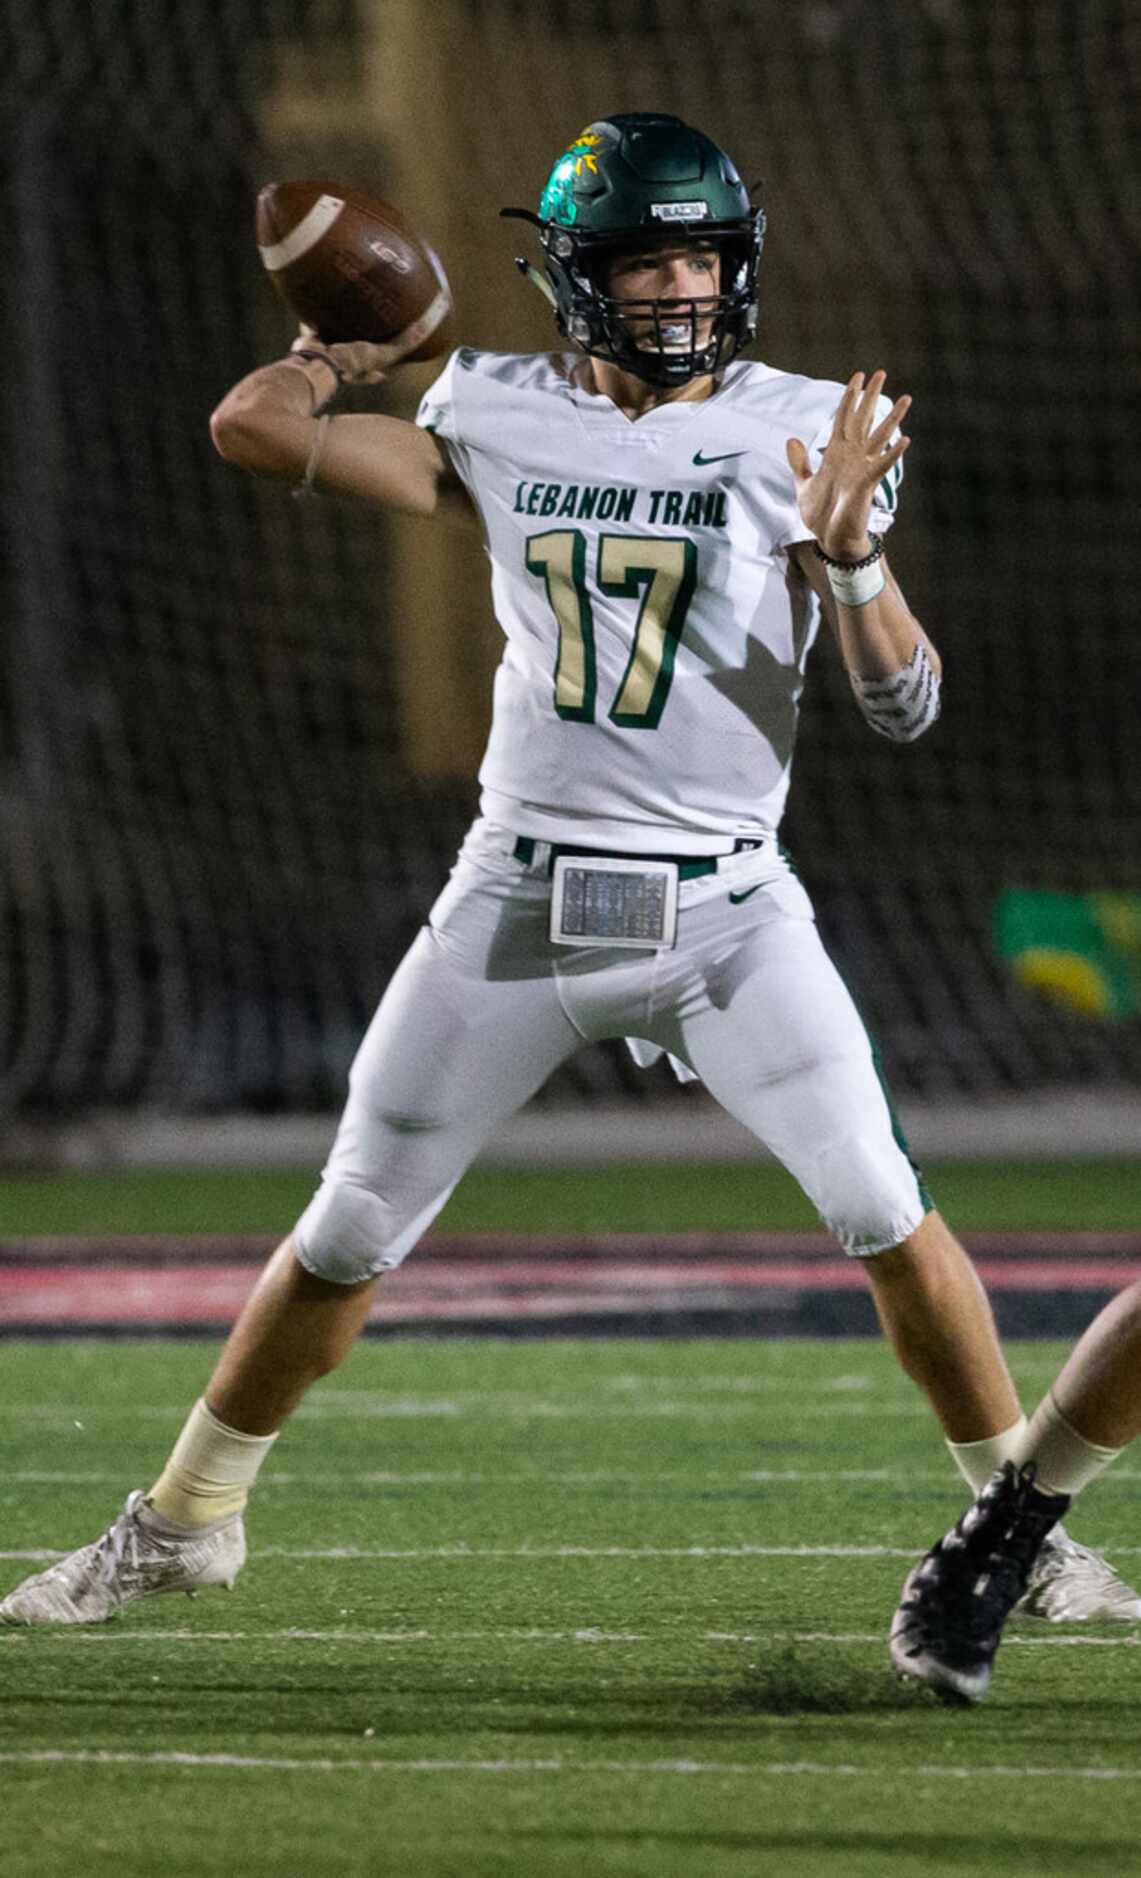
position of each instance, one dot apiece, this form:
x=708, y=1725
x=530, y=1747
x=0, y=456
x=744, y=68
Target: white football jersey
x=657, y=631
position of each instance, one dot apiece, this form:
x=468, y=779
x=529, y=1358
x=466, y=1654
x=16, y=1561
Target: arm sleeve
x=886, y=495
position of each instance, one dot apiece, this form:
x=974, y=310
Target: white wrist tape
x=855, y=586
x=903, y=705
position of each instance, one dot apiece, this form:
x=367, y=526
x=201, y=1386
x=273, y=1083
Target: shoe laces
x=982, y=1566
x=1005, y=1516
x=120, y=1544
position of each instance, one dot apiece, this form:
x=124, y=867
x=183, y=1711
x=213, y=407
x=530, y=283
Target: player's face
x=681, y=274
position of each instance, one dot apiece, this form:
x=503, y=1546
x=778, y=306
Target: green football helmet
x=644, y=180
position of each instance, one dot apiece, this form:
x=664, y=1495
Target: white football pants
x=484, y=1008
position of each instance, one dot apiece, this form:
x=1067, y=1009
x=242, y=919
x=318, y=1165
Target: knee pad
x=348, y=1233
x=868, y=1194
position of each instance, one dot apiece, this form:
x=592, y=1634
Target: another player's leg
x=1004, y=1553
x=777, y=1040
x=1066, y=1582
x=1094, y=1407
x=938, y=1319
x=1091, y=1413
x=447, y=1057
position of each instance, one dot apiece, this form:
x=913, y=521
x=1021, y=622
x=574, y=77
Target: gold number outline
x=563, y=567
x=663, y=569
x=665, y=566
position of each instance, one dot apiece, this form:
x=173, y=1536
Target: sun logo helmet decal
x=557, y=203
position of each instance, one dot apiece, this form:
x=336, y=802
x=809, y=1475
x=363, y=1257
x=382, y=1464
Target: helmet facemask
x=665, y=341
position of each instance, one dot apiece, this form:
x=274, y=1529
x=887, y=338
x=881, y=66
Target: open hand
x=835, y=500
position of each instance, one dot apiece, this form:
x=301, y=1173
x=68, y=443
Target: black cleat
x=956, y=1600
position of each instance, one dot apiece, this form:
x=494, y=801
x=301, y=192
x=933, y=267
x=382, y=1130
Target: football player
x=956, y=1601
x=667, y=527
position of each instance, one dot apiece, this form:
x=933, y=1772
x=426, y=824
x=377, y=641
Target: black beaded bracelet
x=850, y=567
x=312, y=352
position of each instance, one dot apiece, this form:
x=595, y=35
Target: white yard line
x=589, y=1635
x=551, y=1477
x=462, y=1554
x=413, y=1408
x=824, y=1770
x=759, y=1382
x=471, y=1553
x=534, y=1477
x=101, y=1634
x=539, y=1552
x=540, y=1477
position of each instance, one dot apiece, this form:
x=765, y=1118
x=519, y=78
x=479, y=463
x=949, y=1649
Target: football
x=347, y=264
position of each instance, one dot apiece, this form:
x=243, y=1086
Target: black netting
x=215, y=839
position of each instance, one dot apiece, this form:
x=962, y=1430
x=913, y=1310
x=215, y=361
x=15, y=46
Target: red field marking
x=93, y=1284
x=513, y=1247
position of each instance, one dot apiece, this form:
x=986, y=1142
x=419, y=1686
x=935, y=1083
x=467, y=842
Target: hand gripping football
x=348, y=265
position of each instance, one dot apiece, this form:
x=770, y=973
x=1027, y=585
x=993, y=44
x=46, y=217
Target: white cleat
x=1069, y=1584
x=132, y=1560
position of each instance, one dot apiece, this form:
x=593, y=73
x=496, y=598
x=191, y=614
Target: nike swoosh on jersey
x=735, y=899
x=723, y=458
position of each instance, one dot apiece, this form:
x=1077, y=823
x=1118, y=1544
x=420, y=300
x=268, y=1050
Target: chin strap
x=528, y=272
x=537, y=280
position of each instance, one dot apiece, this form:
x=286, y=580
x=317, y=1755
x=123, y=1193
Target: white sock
x=209, y=1473
x=978, y=1460
x=1065, y=1460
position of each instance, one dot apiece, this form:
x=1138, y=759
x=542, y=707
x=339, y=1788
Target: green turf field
x=744, y=1196
x=546, y=1608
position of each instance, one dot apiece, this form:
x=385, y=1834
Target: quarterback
x=668, y=526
